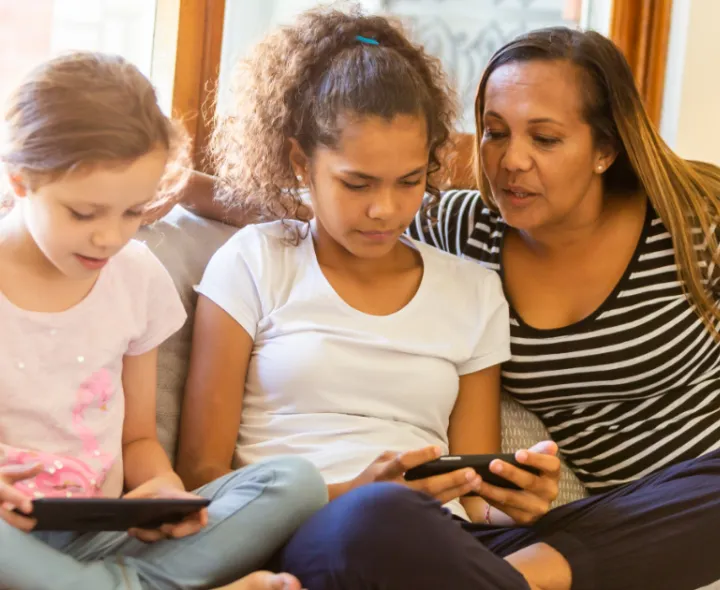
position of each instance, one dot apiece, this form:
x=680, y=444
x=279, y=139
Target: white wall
x=596, y=15
x=690, y=120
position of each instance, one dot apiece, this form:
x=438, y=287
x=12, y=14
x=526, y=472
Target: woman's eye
x=547, y=141
x=490, y=134
x=410, y=183
x=133, y=213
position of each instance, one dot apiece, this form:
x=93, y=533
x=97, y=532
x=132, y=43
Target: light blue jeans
x=254, y=511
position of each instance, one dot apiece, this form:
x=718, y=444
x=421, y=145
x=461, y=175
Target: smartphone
x=111, y=514
x=480, y=463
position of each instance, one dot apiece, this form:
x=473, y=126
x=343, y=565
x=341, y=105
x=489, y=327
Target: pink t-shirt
x=61, y=392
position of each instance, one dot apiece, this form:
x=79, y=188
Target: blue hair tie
x=367, y=40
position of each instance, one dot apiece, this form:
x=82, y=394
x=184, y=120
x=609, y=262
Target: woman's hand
x=11, y=499
x=168, y=486
x=538, y=491
x=391, y=467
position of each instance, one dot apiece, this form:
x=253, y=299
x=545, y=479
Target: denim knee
x=301, y=489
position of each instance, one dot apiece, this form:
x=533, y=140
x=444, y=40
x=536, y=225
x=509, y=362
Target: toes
x=265, y=581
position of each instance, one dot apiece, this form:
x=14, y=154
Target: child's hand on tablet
x=10, y=498
x=168, y=486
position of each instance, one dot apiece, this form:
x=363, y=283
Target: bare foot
x=265, y=581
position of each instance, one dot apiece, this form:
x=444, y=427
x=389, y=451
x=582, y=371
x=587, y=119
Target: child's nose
x=109, y=237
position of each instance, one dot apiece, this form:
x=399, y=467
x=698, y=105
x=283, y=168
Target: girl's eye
x=80, y=216
x=354, y=187
x=133, y=213
x=410, y=183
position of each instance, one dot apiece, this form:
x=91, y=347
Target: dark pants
x=660, y=533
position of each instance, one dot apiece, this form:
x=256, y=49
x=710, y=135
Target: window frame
x=198, y=48
x=640, y=28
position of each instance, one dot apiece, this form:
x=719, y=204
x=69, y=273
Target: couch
x=184, y=242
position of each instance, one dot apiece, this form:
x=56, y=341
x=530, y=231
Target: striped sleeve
x=447, y=225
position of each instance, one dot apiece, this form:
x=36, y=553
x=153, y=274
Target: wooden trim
x=641, y=28
x=197, y=66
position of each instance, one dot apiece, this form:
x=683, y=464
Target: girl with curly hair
x=337, y=339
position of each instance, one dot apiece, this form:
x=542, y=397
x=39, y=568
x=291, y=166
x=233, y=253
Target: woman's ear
x=606, y=155
x=299, y=161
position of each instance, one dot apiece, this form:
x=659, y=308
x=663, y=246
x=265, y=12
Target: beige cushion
x=521, y=429
x=184, y=243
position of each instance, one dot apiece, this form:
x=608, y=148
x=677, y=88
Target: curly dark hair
x=299, y=81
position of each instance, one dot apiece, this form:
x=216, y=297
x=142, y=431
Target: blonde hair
x=684, y=193
x=86, y=109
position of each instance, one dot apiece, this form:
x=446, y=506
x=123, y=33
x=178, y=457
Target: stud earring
x=600, y=168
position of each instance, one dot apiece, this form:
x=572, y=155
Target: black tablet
x=111, y=514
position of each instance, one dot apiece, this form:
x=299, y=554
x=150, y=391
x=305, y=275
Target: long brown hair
x=300, y=81
x=685, y=194
x=85, y=109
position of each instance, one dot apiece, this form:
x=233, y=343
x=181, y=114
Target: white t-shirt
x=339, y=386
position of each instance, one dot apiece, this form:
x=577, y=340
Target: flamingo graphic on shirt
x=70, y=476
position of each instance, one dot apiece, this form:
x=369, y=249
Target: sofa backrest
x=184, y=243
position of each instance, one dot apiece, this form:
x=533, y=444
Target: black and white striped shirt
x=632, y=388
